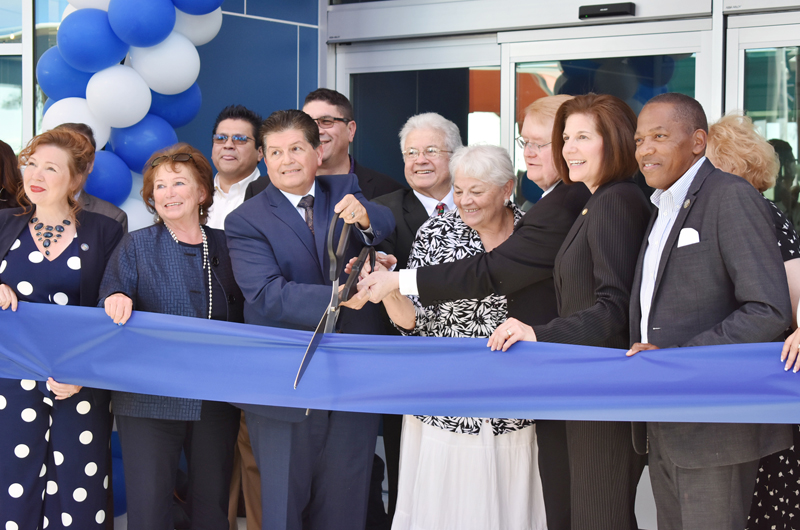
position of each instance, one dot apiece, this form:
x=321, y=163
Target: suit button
x=231, y=299
x=215, y=261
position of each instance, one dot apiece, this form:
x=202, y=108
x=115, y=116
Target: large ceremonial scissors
x=327, y=323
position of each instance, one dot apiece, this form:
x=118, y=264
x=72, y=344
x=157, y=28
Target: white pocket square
x=688, y=236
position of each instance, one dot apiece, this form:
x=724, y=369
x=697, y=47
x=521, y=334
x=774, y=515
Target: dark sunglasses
x=238, y=139
x=177, y=157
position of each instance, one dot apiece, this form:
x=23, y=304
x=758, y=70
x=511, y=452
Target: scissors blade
x=326, y=325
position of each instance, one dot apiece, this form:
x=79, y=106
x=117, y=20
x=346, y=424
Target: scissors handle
x=336, y=256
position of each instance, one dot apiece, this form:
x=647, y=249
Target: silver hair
x=487, y=163
x=431, y=120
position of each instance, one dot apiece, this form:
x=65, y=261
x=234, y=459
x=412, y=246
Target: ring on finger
x=509, y=332
x=352, y=214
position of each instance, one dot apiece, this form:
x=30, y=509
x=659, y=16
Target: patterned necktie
x=307, y=204
x=440, y=209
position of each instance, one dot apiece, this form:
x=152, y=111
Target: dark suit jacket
x=729, y=288
x=594, y=269
x=282, y=268
x=95, y=204
x=409, y=215
x=151, y=269
x=372, y=183
x=100, y=233
x=521, y=268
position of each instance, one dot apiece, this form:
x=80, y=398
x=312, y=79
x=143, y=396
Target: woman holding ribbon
x=54, y=447
x=593, y=275
x=178, y=266
x=466, y=473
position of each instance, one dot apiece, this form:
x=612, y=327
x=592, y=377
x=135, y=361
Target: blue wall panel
x=303, y=11
x=253, y=63
x=234, y=6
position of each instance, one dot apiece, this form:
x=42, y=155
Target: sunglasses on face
x=237, y=139
x=178, y=157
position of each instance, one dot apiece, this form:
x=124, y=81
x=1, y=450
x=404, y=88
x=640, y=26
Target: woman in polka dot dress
x=55, y=435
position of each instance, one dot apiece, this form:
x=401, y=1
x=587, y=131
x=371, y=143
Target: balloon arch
x=128, y=69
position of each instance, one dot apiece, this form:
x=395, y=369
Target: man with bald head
x=709, y=273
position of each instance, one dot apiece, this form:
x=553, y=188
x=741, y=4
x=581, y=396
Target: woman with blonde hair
x=735, y=146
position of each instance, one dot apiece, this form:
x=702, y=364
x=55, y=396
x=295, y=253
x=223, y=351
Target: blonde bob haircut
x=735, y=146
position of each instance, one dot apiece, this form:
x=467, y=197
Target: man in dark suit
x=337, y=128
x=315, y=466
x=521, y=269
x=709, y=272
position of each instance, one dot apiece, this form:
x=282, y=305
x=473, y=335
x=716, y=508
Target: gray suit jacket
x=729, y=288
x=90, y=203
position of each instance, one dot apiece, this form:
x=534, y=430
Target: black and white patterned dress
x=464, y=473
x=776, y=497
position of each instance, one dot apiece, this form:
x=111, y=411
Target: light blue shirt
x=669, y=203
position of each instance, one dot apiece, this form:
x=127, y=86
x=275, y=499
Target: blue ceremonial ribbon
x=202, y=359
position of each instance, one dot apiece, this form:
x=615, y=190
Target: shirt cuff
x=369, y=235
x=408, y=282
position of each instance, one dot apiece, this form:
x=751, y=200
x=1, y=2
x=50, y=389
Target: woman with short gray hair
x=466, y=473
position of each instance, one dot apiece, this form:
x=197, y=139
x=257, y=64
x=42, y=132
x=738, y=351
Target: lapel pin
x=585, y=211
x=686, y=203
x=84, y=247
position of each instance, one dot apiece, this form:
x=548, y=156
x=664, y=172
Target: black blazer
x=99, y=232
x=521, y=268
x=372, y=183
x=409, y=215
x=594, y=269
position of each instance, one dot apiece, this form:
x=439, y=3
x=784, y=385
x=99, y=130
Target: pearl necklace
x=205, y=263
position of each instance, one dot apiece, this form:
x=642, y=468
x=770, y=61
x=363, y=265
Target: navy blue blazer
x=282, y=268
x=152, y=270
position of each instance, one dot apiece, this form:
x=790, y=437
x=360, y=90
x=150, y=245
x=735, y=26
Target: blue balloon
x=118, y=485
x=178, y=109
x=110, y=179
x=197, y=7
x=137, y=143
x=58, y=79
x=142, y=23
x=87, y=42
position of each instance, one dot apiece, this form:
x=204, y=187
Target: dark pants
x=604, y=474
x=551, y=437
x=699, y=499
x=315, y=473
x=151, y=450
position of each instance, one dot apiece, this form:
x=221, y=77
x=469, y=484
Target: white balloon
x=75, y=110
x=68, y=11
x=95, y=4
x=199, y=29
x=118, y=95
x=170, y=67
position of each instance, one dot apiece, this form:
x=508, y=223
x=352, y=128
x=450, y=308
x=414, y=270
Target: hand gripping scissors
x=336, y=257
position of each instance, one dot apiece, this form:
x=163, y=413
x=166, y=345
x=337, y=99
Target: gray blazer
x=152, y=270
x=90, y=203
x=729, y=288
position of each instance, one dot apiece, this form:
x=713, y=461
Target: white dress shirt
x=551, y=188
x=369, y=235
x=669, y=203
x=225, y=203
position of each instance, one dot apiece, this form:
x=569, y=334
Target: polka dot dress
x=53, y=454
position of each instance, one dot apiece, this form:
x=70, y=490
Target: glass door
x=633, y=62
x=762, y=81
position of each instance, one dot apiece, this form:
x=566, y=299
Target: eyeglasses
x=429, y=152
x=536, y=147
x=238, y=139
x=177, y=157
x=326, y=122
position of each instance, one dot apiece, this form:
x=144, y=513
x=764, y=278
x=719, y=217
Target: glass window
x=48, y=15
x=633, y=79
x=383, y=102
x=11, y=101
x=770, y=100
x=10, y=21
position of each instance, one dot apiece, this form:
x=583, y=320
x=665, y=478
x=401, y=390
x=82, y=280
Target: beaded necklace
x=205, y=262
x=45, y=233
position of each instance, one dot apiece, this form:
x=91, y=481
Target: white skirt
x=452, y=481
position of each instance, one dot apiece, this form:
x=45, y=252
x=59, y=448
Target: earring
x=201, y=210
